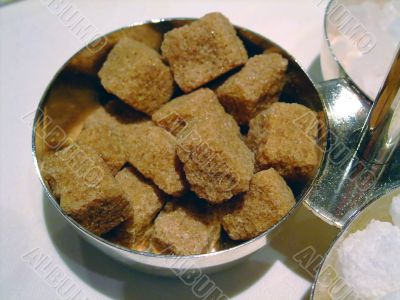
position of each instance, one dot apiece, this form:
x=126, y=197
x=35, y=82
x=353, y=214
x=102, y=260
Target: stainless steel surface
x=372, y=169
x=347, y=179
x=342, y=112
x=381, y=133
x=328, y=283
x=340, y=188
x=361, y=142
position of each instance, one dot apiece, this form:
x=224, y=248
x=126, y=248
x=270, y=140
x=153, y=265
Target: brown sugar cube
x=135, y=73
x=284, y=137
x=152, y=151
x=115, y=113
x=203, y=50
x=217, y=163
x=254, y=87
x=90, y=59
x=104, y=131
x=145, y=199
x=175, y=115
x=99, y=117
x=87, y=191
x=108, y=141
x=268, y=200
x=185, y=229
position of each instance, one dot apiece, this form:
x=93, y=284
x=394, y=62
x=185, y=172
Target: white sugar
x=370, y=260
x=395, y=211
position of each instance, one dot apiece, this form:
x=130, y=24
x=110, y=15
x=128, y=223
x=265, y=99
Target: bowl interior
x=363, y=37
x=329, y=284
x=75, y=92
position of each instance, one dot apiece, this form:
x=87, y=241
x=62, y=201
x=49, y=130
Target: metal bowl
x=350, y=26
x=69, y=99
x=328, y=283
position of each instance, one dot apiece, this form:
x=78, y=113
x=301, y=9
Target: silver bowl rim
x=334, y=56
x=97, y=238
x=352, y=219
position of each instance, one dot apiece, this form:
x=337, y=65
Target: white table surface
x=33, y=45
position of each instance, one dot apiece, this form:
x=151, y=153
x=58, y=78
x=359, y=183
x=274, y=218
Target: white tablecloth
x=34, y=43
